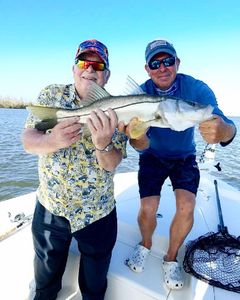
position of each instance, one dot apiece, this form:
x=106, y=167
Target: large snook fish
x=165, y=112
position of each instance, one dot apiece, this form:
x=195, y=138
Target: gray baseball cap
x=159, y=46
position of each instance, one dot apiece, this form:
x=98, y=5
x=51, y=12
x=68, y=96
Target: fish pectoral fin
x=137, y=129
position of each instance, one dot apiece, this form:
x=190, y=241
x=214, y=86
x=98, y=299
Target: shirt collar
x=169, y=92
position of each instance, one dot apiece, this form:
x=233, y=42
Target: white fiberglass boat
x=16, y=251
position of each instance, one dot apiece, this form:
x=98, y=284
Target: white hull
x=16, y=252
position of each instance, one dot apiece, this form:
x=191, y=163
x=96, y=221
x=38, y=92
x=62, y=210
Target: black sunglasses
x=167, y=62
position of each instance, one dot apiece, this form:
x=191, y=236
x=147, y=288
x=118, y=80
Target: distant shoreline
x=12, y=107
x=13, y=104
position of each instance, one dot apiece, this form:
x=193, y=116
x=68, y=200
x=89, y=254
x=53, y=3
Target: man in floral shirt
x=75, y=196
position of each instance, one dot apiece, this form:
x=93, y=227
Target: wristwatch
x=108, y=148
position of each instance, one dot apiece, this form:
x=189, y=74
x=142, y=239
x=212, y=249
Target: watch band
x=108, y=148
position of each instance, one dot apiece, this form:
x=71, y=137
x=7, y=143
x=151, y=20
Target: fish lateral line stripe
x=104, y=110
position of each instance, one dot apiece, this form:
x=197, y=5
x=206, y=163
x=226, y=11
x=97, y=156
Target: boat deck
x=17, y=272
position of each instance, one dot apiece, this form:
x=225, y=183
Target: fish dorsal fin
x=132, y=88
x=95, y=93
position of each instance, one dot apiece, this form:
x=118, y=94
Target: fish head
x=180, y=114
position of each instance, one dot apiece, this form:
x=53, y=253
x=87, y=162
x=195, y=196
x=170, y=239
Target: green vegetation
x=12, y=103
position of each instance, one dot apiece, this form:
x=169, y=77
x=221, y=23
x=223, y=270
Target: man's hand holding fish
x=137, y=140
x=216, y=130
x=102, y=127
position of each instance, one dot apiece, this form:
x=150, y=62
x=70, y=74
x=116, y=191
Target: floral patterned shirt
x=72, y=184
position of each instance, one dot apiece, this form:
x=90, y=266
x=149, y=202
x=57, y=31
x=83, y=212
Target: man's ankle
x=147, y=245
x=169, y=258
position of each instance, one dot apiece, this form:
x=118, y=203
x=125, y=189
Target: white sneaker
x=137, y=260
x=173, y=275
x=32, y=290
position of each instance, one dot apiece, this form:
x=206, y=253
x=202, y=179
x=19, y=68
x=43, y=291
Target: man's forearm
x=109, y=160
x=37, y=142
x=229, y=134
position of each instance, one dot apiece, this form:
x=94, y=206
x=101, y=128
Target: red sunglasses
x=97, y=66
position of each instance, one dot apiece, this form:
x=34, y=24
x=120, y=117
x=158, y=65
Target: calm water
x=19, y=176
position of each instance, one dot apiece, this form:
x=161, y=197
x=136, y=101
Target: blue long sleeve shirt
x=167, y=143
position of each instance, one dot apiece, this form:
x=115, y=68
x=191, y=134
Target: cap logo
x=158, y=43
x=94, y=46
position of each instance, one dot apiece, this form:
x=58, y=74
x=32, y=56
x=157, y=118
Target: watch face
x=109, y=147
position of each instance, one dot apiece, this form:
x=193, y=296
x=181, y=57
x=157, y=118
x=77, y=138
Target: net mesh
x=215, y=258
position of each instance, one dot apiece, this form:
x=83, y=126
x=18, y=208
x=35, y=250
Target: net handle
x=221, y=226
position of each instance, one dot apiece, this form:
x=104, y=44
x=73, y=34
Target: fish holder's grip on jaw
x=137, y=128
x=137, y=131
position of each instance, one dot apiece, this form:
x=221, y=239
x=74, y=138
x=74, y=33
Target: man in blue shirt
x=168, y=153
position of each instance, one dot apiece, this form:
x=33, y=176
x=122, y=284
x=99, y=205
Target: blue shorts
x=153, y=171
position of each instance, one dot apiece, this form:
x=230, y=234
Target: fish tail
x=43, y=112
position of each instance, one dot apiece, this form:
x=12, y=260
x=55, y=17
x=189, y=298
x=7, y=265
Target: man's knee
x=149, y=206
x=185, y=202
